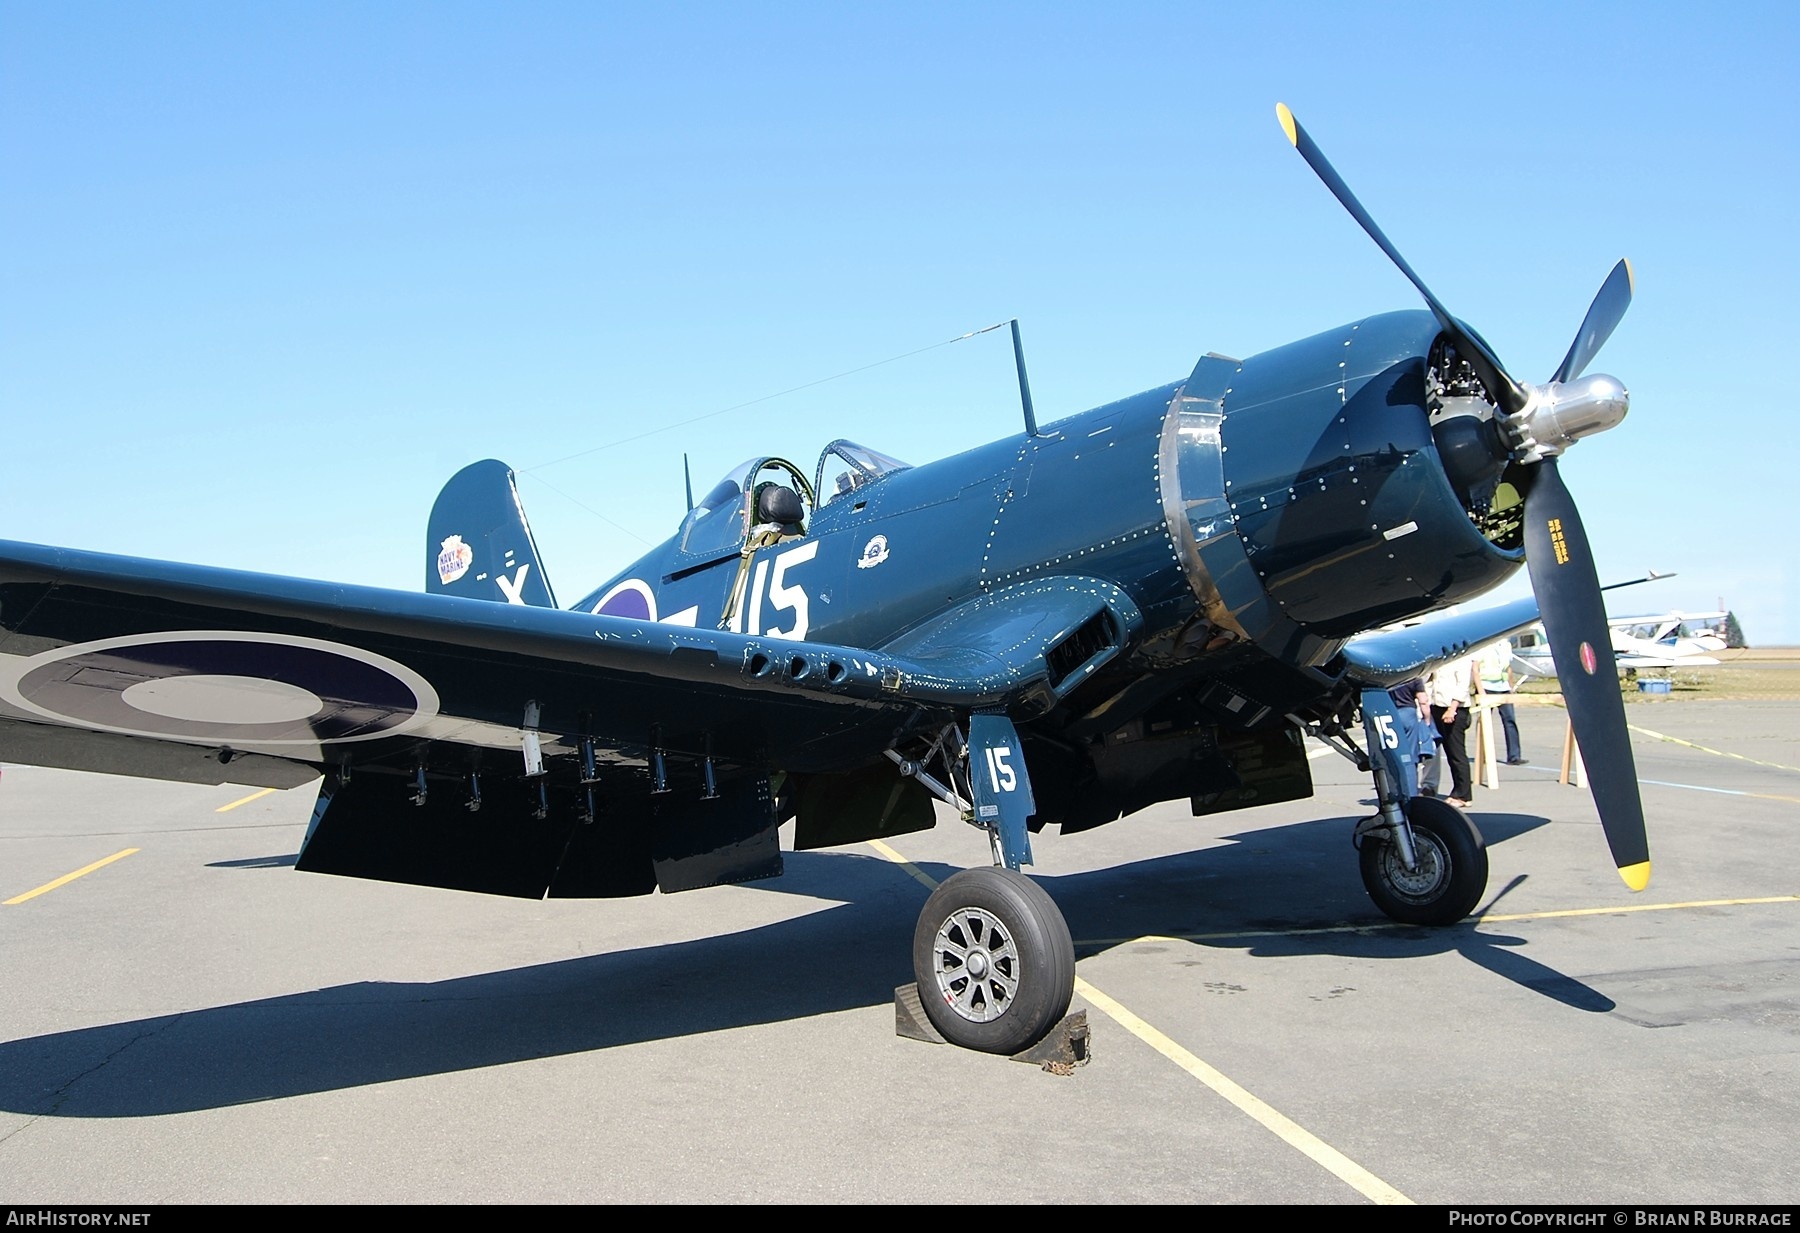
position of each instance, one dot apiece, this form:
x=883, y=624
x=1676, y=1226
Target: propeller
x=1568, y=594
x=1537, y=423
x=1603, y=315
x=1470, y=346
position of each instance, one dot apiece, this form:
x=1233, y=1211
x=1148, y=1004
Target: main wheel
x=994, y=961
x=1452, y=868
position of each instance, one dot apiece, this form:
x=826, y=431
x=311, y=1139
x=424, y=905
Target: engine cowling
x=1309, y=493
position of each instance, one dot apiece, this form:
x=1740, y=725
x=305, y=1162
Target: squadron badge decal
x=874, y=553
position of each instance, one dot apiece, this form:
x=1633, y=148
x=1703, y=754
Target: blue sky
x=270, y=273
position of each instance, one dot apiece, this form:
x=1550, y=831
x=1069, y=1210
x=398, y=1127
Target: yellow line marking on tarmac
x=1780, y=766
x=1290, y=1132
x=254, y=796
x=912, y=870
x=1696, y=787
x=47, y=887
x=1396, y=927
x=1644, y=907
x=1285, y=1128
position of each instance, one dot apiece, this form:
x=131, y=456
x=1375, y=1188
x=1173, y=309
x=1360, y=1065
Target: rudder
x=478, y=544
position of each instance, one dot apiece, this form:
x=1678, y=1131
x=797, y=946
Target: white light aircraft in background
x=1657, y=640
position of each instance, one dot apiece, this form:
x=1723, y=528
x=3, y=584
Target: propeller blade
x=1603, y=315
x=1568, y=595
x=1509, y=393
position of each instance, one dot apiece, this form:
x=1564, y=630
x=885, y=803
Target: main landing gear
x=991, y=953
x=1448, y=873
x=1422, y=861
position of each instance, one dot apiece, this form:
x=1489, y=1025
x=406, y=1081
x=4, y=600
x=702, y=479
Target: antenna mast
x=1031, y=428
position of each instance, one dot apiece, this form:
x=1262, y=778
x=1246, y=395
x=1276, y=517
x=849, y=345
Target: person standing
x=1449, y=689
x=1497, y=680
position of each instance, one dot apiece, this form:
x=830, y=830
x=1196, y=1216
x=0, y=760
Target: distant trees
x=1734, y=633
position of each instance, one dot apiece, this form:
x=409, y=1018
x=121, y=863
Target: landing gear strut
x=991, y=953
x=1422, y=861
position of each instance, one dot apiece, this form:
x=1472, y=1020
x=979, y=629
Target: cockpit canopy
x=772, y=491
x=856, y=466
x=726, y=515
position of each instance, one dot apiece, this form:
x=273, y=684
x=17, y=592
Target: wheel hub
x=976, y=965
x=1427, y=880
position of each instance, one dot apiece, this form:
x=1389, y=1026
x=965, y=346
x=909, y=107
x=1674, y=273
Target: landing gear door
x=1391, y=732
x=1001, y=788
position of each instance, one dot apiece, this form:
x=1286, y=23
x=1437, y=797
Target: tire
x=994, y=961
x=1453, y=867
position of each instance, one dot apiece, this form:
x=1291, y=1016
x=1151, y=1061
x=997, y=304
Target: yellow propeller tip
x=1637, y=876
x=1630, y=275
x=1287, y=123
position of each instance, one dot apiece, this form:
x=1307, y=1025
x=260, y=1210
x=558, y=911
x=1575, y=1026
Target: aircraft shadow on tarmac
x=843, y=957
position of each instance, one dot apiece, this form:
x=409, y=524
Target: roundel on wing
x=222, y=686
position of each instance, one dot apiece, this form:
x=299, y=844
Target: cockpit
x=768, y=500
x=760, y=498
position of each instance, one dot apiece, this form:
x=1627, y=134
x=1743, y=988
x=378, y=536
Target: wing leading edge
x=1390, y=656
x=425, y=712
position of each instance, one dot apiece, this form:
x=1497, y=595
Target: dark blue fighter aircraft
x=1154, y=600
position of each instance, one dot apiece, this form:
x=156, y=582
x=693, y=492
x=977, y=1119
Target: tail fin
x=478, y=544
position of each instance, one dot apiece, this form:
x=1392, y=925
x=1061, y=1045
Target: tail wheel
x=1451, y=873
x=994, y=961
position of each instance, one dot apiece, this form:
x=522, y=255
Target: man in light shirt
x=1496, y=679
